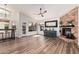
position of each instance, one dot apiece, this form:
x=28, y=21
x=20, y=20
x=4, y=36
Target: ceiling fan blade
x=42, y=15
x=45, y=11
x=39, y=14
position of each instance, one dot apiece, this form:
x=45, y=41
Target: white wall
x=25, y=19
x=38, y=30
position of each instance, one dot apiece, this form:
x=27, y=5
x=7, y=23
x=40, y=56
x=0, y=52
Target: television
x=51, y=23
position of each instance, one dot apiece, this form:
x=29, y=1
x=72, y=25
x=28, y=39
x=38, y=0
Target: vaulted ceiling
x=53, y=10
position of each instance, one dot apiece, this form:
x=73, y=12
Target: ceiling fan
x=42, y=12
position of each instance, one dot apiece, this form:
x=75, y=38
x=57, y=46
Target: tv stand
x=50, y=33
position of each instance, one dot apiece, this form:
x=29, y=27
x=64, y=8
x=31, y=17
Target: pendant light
x=5, y=14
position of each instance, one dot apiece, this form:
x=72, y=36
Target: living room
x=31, y=23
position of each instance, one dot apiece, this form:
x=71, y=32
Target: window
x=24, y=28
x=32, y=26
x=4, y=13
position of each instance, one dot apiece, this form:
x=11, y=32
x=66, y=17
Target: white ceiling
x=54, y=10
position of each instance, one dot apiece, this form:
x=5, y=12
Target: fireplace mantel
x=67, y=26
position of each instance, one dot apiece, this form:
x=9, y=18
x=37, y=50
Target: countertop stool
x=2, y=34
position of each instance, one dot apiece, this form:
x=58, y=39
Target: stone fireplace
x=67, y=30
x=67, y=33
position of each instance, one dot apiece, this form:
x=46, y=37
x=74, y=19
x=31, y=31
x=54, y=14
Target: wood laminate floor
x=38, y=44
